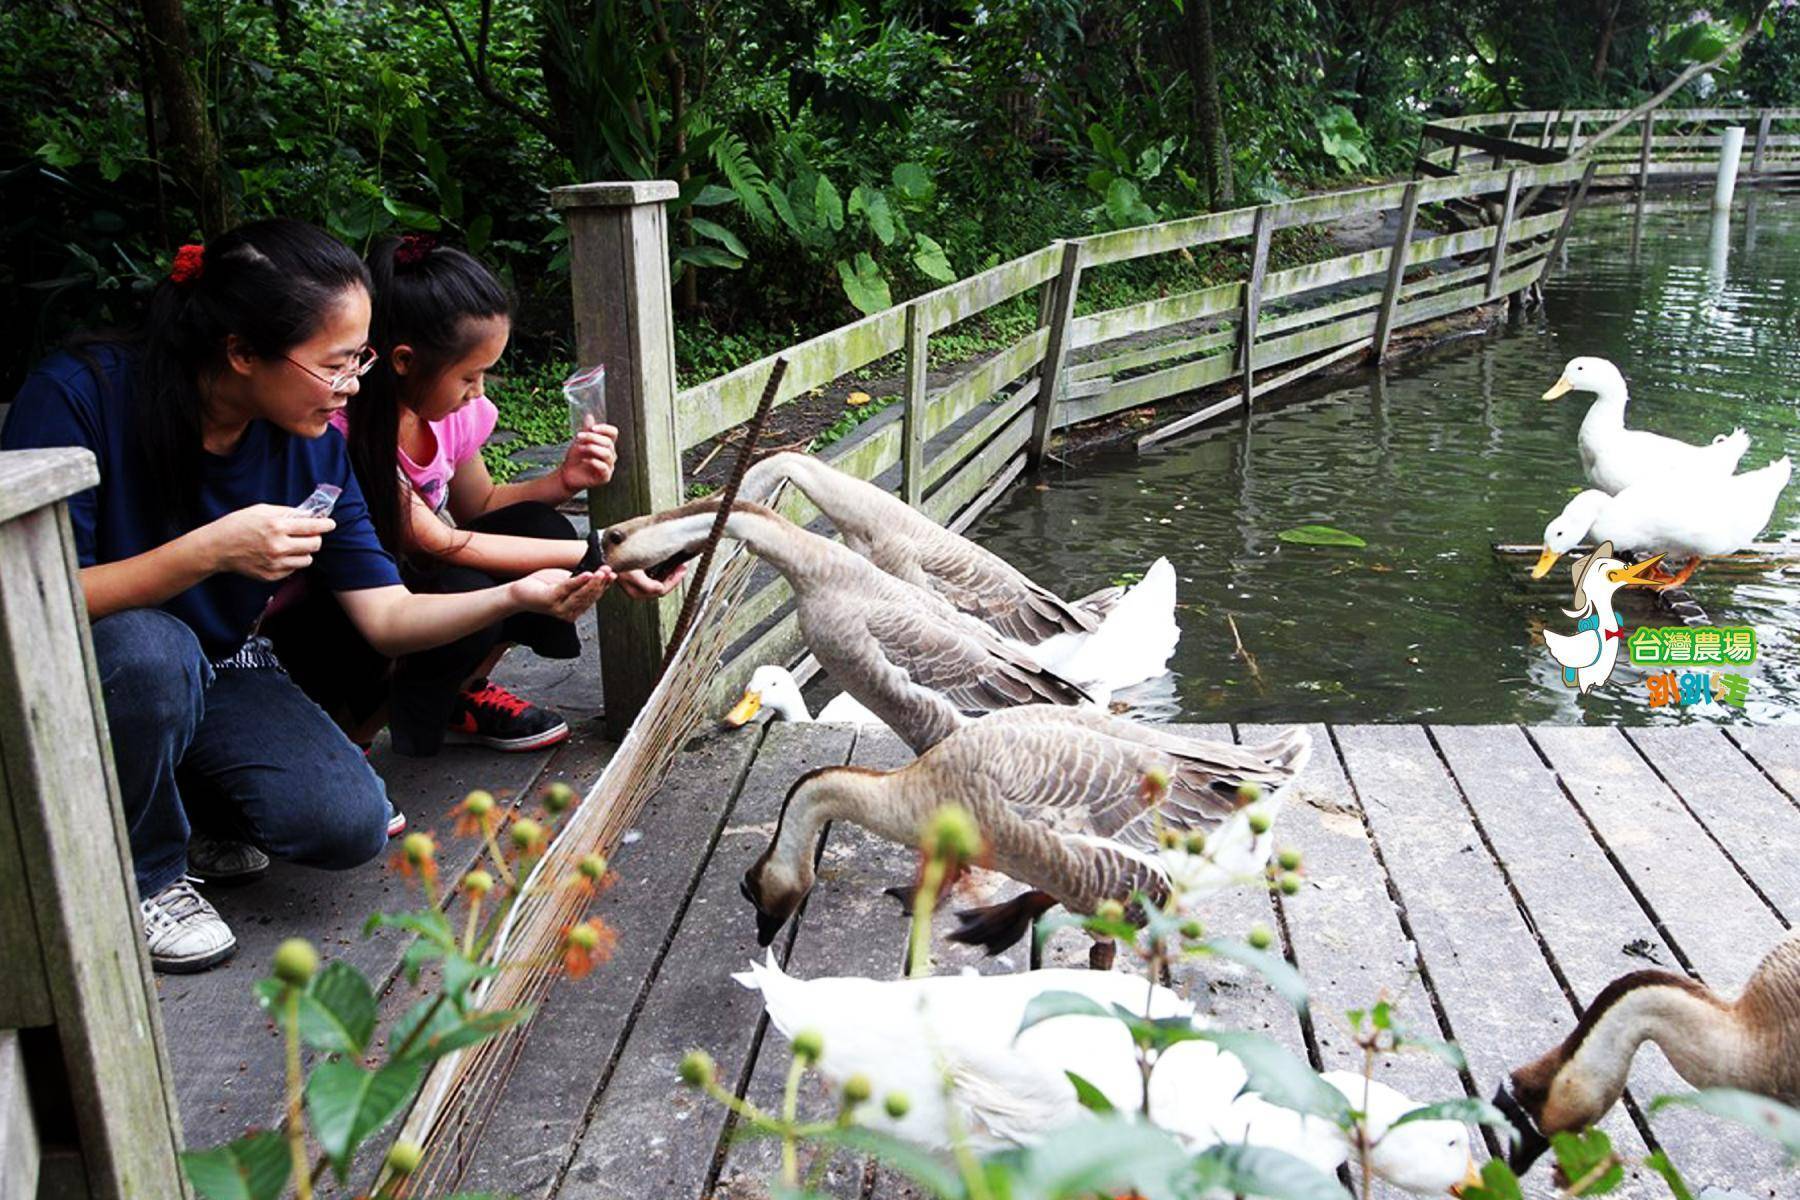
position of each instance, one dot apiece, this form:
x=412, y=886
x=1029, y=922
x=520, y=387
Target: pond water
x=1432, y=462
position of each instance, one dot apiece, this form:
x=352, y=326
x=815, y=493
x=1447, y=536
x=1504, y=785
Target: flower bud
x=585, y=936
x=1260, y=822
x=1170, y=839
x=696, y=1068
x=526, y=833
x=1248, y=793
x=809, y=1044
x=557, y=798
x=1155, y=785
x=896, y=1104
x=1259, y=937
x=478, y=883
x=404, y=1157
x=1289, y=859
x=295, y=962
x=952, y=833
x=1196, y=843
x=1110, y=910
x=418, y=848
x=478, y=803
x=593, y=866
x=1192, y=930
x=1290, y=885
x=858, y=1089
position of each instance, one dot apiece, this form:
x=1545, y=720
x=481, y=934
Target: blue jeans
x=240, y=752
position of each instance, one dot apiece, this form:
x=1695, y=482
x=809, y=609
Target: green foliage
x=1320, y=535
x=256, y=1167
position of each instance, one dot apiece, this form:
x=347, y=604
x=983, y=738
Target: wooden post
x=1056, y=349
x=1456, y=156
x=1497, y=260
x=1574, y=133
x=1762, y=143
x=912, y=417
x=1390, y=293
x=18, y=1131
x=1259, y=266
x=1574, y=206
x=1643, y=178
x=69, y=923
x=619, y=275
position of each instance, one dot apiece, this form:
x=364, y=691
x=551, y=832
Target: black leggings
x=350, y=679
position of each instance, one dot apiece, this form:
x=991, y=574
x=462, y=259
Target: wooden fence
x=1665, y=143
x=87, y=1105
x=951, y=449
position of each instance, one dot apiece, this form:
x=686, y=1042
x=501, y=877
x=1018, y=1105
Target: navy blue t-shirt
x=63, y=404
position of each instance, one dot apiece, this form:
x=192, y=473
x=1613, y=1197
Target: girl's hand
x=556, y=593
x=640, y=586
x=592, y=455
x=265, y=541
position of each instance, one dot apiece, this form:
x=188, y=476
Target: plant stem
x=790, y=1106
x=473, y=924
x=296, y=1128
x=918, y=953
x=1362, y=1123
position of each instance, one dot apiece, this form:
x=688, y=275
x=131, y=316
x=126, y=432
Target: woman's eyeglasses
x=341, y=380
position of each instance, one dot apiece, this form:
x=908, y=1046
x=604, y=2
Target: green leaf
x=1279, y=1077
x=1046, y=1005
x=1091, y=1097
x=1112, y=1154
x=827, y=204
x=428, y=923
x=712, y=195
x=708, y=256
x=1279, y=973
x=1497, y=1183
x=1449, y=1052
x=1319, y=535
x=446, y=1036
x=1466, y=1109
x=921, y=1166
x=346, y=1104
x=251, y=1168
x=864, y=284
x=914, y=182
x=411, y=215
x=417, y=955
x=337, y=1010
x=479, y=231
x=719, y=234
x=1125, y=204
x=460, y=972
x=1581, y=1154
x=880, y=214
x=1678, y=1188
x=1243, y=1170
x=1769, y=1118
x=931, y=260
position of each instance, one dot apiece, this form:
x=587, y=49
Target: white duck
x=1013, y=1089
x=1679, y=517
x=1135, y=640
x=774, y=687
x=1587, y=655
x=1614, y=457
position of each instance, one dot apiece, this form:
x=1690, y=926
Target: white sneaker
x=185, y=933
x=221, y=860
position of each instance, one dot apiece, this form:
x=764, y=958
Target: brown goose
x=1751, y=1043
x=1058, y=796
x=904, y=653
x=909, y=545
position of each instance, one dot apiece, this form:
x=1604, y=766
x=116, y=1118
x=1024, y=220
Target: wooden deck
x=1488, y=879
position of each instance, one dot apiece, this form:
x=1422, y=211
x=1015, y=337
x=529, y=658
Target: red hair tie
x=413, y=249
x=189, y=263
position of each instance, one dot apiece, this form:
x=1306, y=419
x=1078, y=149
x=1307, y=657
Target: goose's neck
x=832, y=492
x=781, y=543
x=843, y=795
x=1700, y=1036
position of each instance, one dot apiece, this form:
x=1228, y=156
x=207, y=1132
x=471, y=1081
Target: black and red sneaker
x=489, y=715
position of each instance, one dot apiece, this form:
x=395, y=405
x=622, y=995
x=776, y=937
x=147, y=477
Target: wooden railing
x=1664, y=143
x=952, y=449
x=76, y=999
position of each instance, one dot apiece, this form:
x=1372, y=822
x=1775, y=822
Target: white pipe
x=1731, y=147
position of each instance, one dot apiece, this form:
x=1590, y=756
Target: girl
x=415, y=428
x=211, y=428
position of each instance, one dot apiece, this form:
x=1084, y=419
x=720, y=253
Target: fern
x=732, y=157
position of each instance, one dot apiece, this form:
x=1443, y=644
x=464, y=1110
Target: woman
x=211, y=428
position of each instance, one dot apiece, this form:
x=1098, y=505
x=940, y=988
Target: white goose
x=1614, y=457
x=1012, y=1089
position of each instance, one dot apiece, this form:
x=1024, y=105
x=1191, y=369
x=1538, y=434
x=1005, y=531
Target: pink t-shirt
x=457, y=438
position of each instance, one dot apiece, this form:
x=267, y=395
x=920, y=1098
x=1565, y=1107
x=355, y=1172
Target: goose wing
x=963, y=659
x=992, y=591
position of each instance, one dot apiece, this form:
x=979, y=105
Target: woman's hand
x=590, y=459
x=640, y=586
x=557, y=593
x=265, y=541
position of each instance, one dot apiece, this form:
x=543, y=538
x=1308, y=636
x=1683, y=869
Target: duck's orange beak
x=1470, y=1179
x=1560, y=387
x=1635, y=574
x=743, y=710
x=1545, y=561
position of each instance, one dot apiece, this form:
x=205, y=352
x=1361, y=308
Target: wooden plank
x=1775, y=750
x=956, y=301
x=1325, y=272
x=1497, y=256
x=1449, y=245
x=34, y=479
x=1285, y=349
x=18, y=1132
x=1499, y=146
x=912, y=428
x=573, y=1049
x=1740, y=808
x=1297, y=318
x=983, y=381
x=974, y=475
x=1131, y=360
x=1643, y=171
x=1397, y=256
x=1155, y=314
x=1568, y=217
x=977, y=435
x=1103, y=248
x=61, y=796
x=1481, y=960
x=1147, y=389
x=1056, y=350
x=1594, y=931
x=1259, y=265
x=649, y=1136
x=1664, y=850
x=847, y=928
x=1762, y=144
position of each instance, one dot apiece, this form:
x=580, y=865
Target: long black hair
x=427, y=297
x=271, y=283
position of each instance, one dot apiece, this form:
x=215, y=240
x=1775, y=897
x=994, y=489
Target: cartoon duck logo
x=1587, y=655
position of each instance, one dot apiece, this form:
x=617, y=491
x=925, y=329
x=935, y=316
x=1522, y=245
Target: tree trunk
x=1609, y=21
x=193, y=153
x=1204, y=65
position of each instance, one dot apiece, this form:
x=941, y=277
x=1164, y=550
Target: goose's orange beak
x=1635, y=574
x=744, y=709
x=1558, y=388
x=1545, y=561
